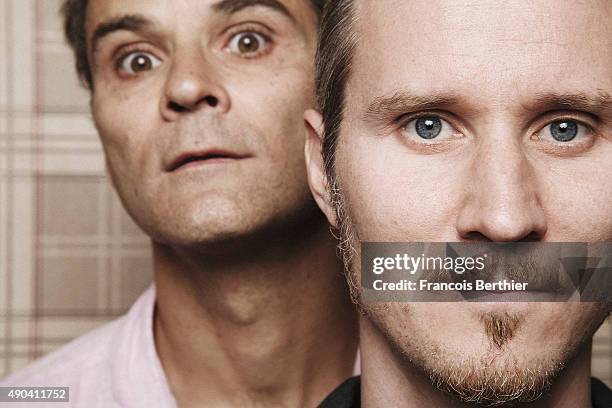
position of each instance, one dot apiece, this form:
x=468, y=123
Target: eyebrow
x=138, y=22
x=130, y=22
x=234, y=6
x=388, y=108
x=598, y=101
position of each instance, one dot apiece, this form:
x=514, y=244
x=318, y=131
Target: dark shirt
x=348, y=395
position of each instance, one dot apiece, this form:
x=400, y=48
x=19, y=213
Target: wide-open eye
x=247, y=43
x=136, y=62
x=429, y=128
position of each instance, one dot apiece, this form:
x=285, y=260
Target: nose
x=502, y=202
x=192, y=85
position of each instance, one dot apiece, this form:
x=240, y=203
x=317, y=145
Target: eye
x=565, y=130
x=429, y=128
x=247, y=43
x=137, y=62
x=566, y=137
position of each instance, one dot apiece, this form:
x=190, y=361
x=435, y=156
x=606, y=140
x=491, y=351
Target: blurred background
x=70, y=257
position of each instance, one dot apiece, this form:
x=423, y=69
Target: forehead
x=491, y=49
x=194, y=14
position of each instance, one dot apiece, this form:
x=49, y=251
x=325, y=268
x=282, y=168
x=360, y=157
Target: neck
x=272, y=326
x=386, y=380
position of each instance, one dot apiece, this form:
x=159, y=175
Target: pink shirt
x=114, y=366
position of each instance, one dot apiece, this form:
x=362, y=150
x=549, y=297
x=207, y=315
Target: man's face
x=199, y=107
x=468, y=121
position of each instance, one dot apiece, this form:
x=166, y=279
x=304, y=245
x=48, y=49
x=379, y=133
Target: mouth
x=197, y=158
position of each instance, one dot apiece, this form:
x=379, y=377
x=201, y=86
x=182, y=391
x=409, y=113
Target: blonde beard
x=478, y=382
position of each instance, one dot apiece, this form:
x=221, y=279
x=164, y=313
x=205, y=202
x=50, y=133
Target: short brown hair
x=74, y=12
x=333, y=66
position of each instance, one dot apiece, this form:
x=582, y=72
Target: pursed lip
x=203, y=157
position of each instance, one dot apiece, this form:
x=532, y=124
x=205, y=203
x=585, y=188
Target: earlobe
x=315, y=167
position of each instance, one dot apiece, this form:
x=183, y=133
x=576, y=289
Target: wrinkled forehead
x=194, y=15
x=496, y=50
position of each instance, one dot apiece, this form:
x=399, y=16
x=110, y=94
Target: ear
x=315, y=167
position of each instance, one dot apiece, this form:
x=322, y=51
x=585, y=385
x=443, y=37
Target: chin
x=496, y=379
x=206, y=222
x=202, y=233
x=476, y=370
x=488, y=354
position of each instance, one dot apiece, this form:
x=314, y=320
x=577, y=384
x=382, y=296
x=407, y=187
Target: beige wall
x=70, y=258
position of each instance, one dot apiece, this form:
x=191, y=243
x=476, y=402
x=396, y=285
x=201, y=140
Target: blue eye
x=136, y=62
x=429, y=128
x=564, y=130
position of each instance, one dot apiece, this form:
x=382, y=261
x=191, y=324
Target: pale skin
x=199, y=108
x=497, y=76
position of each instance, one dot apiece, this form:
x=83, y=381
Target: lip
x=202, y=157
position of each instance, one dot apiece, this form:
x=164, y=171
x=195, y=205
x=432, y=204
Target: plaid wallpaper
x=70, y=257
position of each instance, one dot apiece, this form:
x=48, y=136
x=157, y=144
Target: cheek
x=563, y=325
x=578, y=200
x=393, y=195
x=273, y=109
x=125, y=125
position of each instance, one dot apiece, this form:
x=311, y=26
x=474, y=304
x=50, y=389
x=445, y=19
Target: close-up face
x=476, y=121
x=199, y=107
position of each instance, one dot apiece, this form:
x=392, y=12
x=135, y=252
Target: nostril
x=212, y=101
x=176, y=107
x=180, y=107
x=533, y=237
